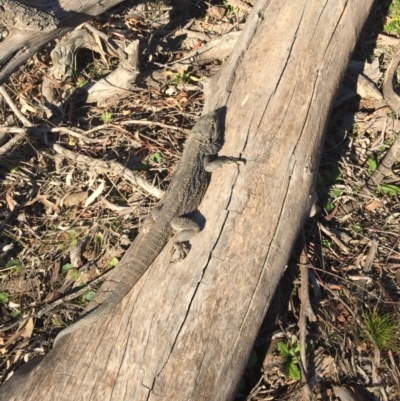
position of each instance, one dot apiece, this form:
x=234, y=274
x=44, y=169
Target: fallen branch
x=110, y=167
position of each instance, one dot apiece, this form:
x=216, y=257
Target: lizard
x=169, y=218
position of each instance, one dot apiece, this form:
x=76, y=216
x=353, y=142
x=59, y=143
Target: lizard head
x=209, y=133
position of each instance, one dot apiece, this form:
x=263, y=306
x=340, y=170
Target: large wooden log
x=186, y=330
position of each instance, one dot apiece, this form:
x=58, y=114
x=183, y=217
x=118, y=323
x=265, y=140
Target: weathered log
x=186, y=330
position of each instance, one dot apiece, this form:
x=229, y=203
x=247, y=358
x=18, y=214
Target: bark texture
x=186, y=330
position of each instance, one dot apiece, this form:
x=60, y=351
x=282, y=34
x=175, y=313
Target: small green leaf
x=372, y=165
x=99, y=239
x=283, y=349
x=73, y=274
x=89, y=295
x=357, y=227
x=326, y=243
x=80, y=83
x=3, y=297
x=388, y=189
x=57, y=321
x=293, y=371
x=73, y=242
x=329, y=206
x=113, y=262
x=15, y=313
x=66, y=267
x=155, y=157
x=336, y=192
x=14, y=265
x=106, y=117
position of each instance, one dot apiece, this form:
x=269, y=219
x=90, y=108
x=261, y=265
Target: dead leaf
x=95, y=194
x=345, y=394
x=398, y=277
x=75, y=255
x=197, y=45
x=2, y=349
x=372, y=205
x=43, y=199
x=217, y=12
x=27, y=330
x=335, y=287
x=10, y=201
x=25, y=106
x=76, y=198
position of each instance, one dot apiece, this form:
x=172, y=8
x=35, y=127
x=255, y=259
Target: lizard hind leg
x=185, y=229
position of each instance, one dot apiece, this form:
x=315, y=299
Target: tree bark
x=186, y=330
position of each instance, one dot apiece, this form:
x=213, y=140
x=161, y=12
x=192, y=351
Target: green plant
x=182, y=78
x=231, y=9
x=15, y=313
x=357, y=227
x=14, y=265
x=326, y=243
x=106, y=117
x=57, y=321
x=388, y=189
x=98, y=239
x=372, y=165
x=290, y=355
x=73, y=274
x=88, y=295
x=113, y=262
x=3, y=297
x=81, y=82
x=156, y=158
x=384, y=330
x=116, y=225
x=66, y=267
x=393, y=24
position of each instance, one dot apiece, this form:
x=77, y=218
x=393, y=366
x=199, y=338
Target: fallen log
x=186, y=330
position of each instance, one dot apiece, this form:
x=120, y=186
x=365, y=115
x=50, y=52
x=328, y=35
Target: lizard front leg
x=212, y=164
